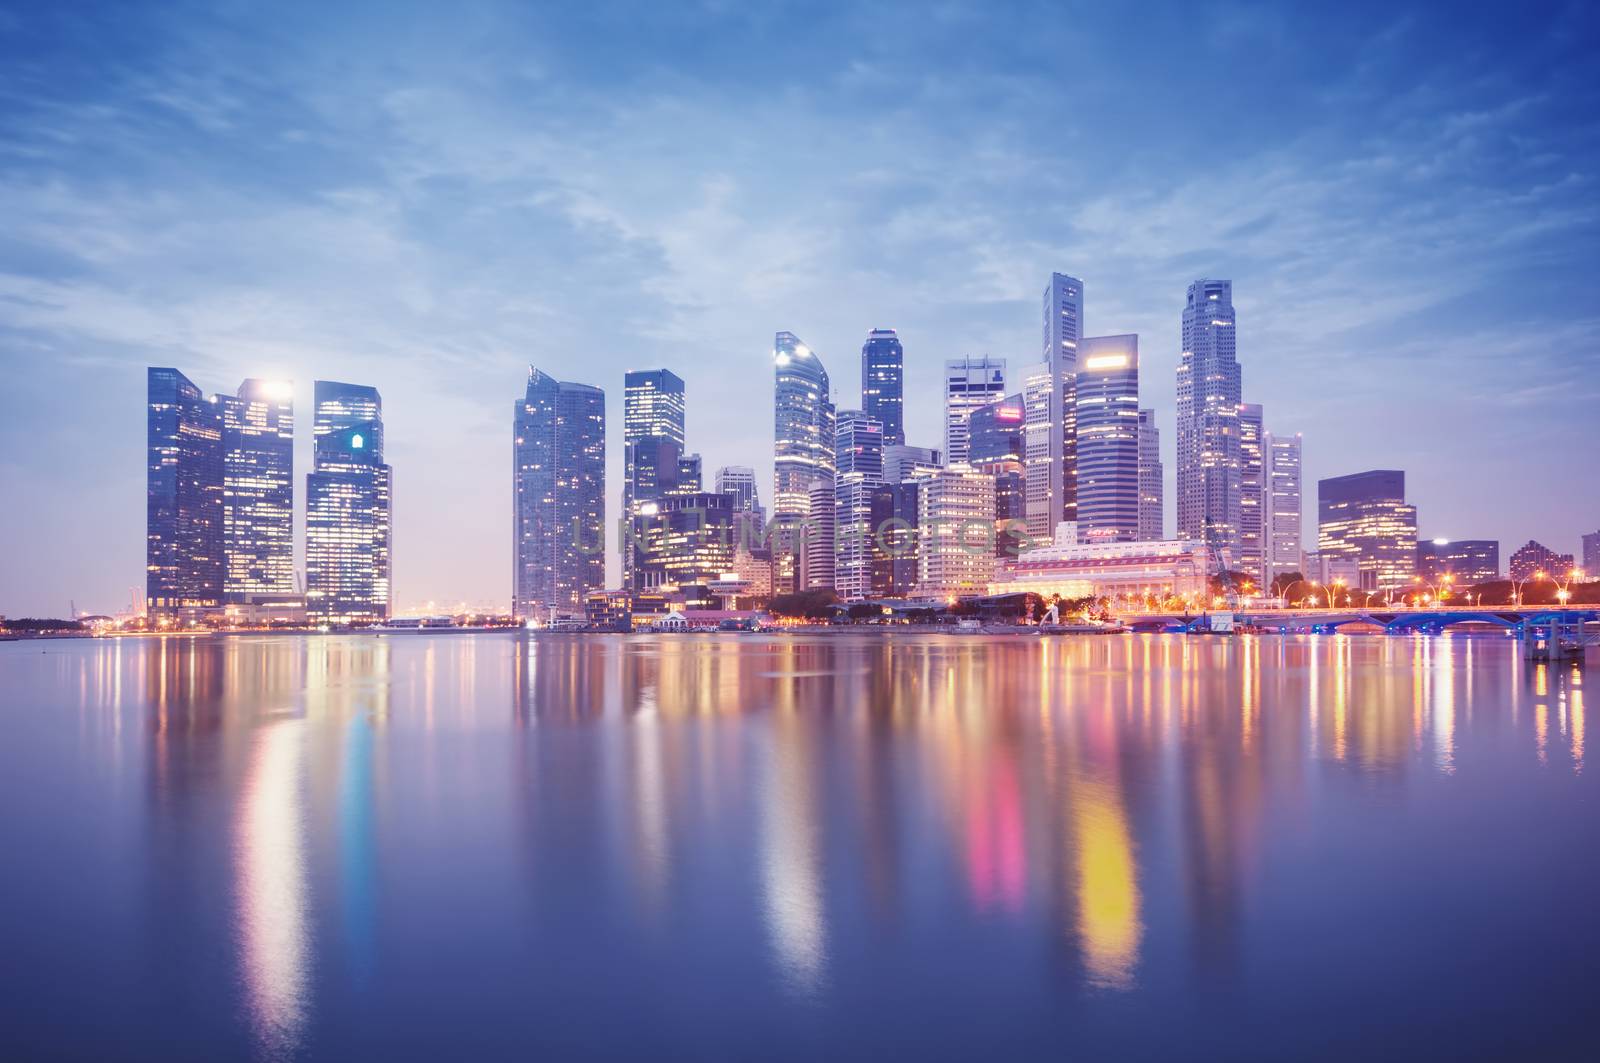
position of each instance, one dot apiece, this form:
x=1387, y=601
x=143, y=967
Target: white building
x=1281, y=507
x=1209, y=385
x=902, y=462
x=955, y=531
x=968, y=384
x=1152, y=496
x=1072, y=568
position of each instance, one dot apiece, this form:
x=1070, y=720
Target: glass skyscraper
x=1106, y=410
x=1281, y=507
x=653, y=436
x=1152, y=488
x=883, y=384
x=968, y=384
x=859, y=457
x=1052, y=457
x=348, y=508
x=558, y=476
x=1209, y=387
x=803, y=457
x=1252, y=484
x=184, y=571
x=258, y=492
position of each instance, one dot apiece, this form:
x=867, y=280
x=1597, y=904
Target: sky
x=431, y=198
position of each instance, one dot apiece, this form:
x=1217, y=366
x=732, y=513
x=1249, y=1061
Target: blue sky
x=429, y=198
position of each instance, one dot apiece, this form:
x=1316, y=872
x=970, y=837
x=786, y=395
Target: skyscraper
x=1364, y=518
x=969, y=384
x=1591, y=555
x=1152, y=488
x=883, y=383
x=258, y=492
x=1252, y=482
x=996, y=442
x=803, y=442
x=558, y=479
x=653, y=406
x=902, y=462
x=1106, y=412
x=740, y=482
x=1466, y=562
x=955, y=513
x=348, y=499
x=1280, y=507
x=859, y=458
x=1056, y=499
x=1209, y=386
x=817, y=559
x=1042, y=493
x=184, y=572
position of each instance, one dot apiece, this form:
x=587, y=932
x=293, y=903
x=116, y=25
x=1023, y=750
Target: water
x=849, y=847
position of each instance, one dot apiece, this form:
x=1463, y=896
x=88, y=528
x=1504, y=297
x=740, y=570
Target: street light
x=1519, y=584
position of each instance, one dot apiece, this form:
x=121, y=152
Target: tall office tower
x=1252, y=481
x=996, y=441
x=348, y=500
x=1533, y=557
x=653, y=405
x=184, y=573
x=1152, y=512
x=740, y=482
x=894, y=523
x=1591, y=555
x=955, y=508
x=1063, y=328
x=900, y=463
x=1466, y=562
x=968, y=384
x=1364, y=518
x=558, y=474
x=803, y=430
x=883, y=385
x=1043, y=498
x=258, y=492
x=1280, y=507
x=1209, y=385
x=1106, y=404
x=817, y=542
x=858, y=453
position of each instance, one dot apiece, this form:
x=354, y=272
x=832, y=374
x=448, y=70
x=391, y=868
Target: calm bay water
x=854, y=846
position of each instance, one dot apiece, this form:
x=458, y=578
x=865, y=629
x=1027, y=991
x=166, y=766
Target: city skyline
x=361, y=238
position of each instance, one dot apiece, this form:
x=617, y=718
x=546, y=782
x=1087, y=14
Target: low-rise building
x=1071, y=568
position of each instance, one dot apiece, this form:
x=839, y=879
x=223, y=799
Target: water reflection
x=804, y=819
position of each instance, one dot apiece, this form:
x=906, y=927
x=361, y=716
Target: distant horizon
x=428, y=204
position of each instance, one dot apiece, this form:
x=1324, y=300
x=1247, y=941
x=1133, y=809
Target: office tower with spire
x=558, y=471
x=1152, y=513
x=348, y=508
x=883, y=386
x=968, y=384
x=1210, y=464
x=1106, y=412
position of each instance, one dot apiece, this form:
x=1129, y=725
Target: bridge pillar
x=1551, y=638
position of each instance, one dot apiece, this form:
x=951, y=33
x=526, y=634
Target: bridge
x=1558, y=626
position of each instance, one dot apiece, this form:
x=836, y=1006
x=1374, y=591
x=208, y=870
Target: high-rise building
x=859, y=457
x=1591, y=555
x=1106, y=412
x=817, y=557
x=1533, y=557
x=685, y=540
x=348, y=517
x=653, y=437
x=1364, y=517
x=996, y=443
x=1209, y=386
x=1280, y=507
x=883, y=383
x=1042, y=500
x=1053, y=497
x=258, y=492
x=691, y=479
x=902, y=462
x=968, y=384
x=1250, y=557
x=1152, y=489
x=558, y=480
x=1467, y=562
x=894, y=523
x=184, y=571
x=803, y=441
x=740, y=482
x=955, y=513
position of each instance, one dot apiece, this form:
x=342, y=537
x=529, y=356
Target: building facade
x=1252, y=483
x=1364, y=517
x=1533, y=557
x=1209, y=388
x=1071, y=567
x=654, y=408
x=894, y=555
x=1106, y=448
x=901, y=463
x=1281, y=510
x=858, y=454
x=258, y=494
x=1591, y=555
x=955, y=531
x=1152, y=485
x=1467, y=562
x=997, y=442
x=803, y=442
x=349, y=520
x=558, y=484
x=969, y=383
x=184, y=569
x=1051, y=491
x=883, y=383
